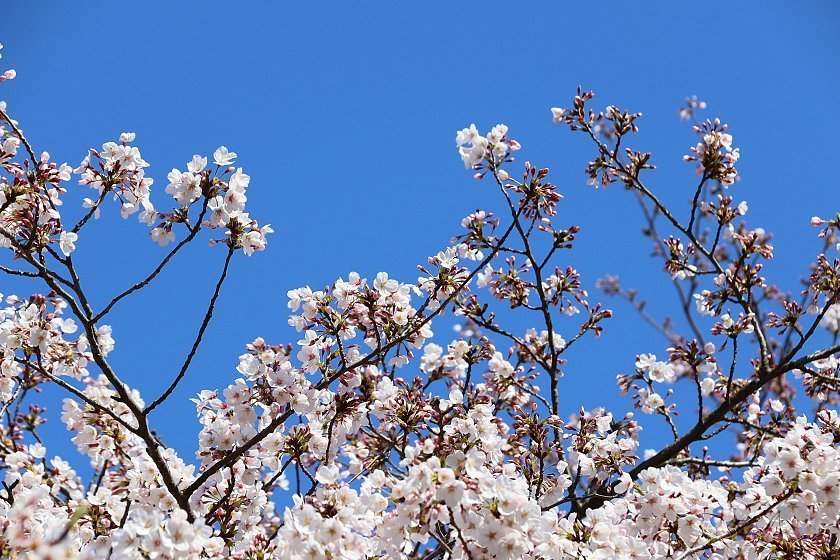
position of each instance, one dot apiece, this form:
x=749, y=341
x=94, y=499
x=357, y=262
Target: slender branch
x=711, y=463
x=695, y=201
x=20, y=135
x=544, y=309
x=95, y=405
x=143, y=283
x=204, y=324
x=91, y=212
x=14, y=272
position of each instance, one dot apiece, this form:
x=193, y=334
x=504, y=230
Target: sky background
x=344, y=115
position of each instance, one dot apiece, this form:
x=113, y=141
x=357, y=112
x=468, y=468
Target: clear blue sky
x=344, y=115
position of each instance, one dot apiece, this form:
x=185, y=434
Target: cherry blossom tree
x=371, y=438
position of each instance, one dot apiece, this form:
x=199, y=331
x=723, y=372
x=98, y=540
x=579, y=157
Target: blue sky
x=344, y=115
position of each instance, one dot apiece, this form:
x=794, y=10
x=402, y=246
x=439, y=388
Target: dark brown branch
x=14, y=272
x=143, y=283
x=207, y=317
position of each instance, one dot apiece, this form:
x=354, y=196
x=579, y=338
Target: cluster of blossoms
x=222, y=190
x=29, y=198
x=118, y=169
x=476, y=149
x=30, y=521
x=714, y=154
x=36, y=329
x=368, y=438
x=666, y=511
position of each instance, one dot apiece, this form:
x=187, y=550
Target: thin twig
x=207, y=317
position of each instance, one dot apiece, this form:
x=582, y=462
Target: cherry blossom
x=379, y=432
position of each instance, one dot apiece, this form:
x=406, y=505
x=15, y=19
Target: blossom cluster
x=223, y=191
x=714, y=154
x=476, y=149
x=119, y=169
